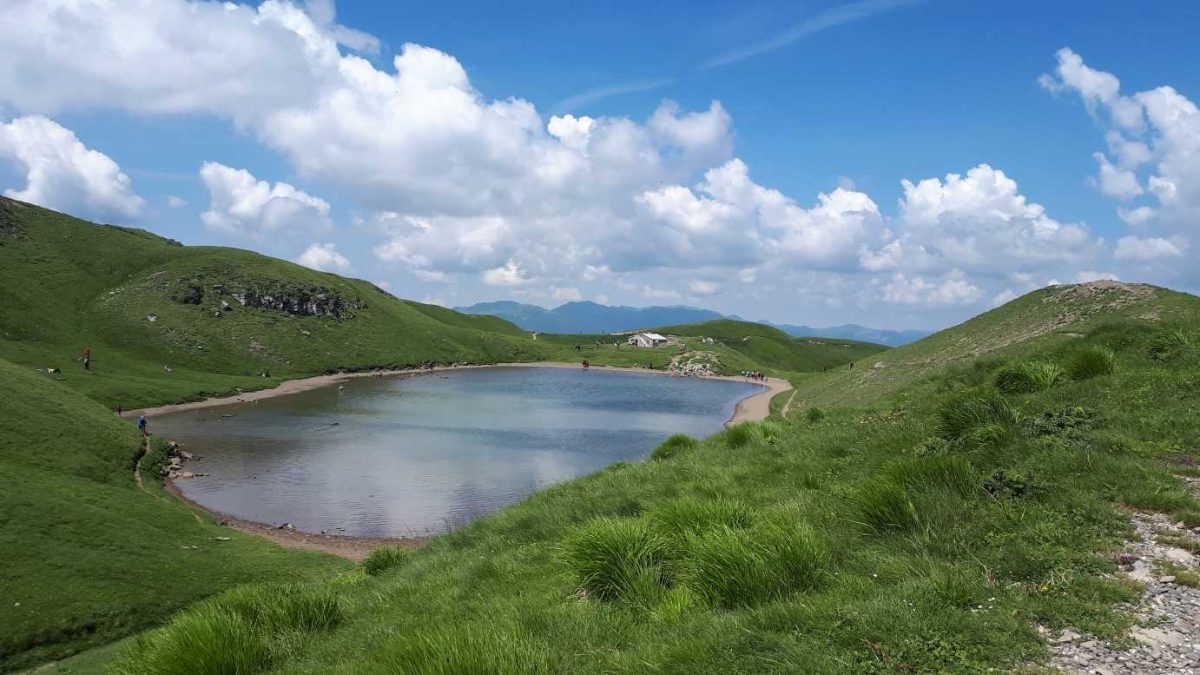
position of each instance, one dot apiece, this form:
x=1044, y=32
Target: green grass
x=88, y=556
x=1090, y=361
x=245, y=631
x=870, y=542
x=385, y=558
x=1026, y=377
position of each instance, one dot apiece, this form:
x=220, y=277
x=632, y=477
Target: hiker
x=851, y=365
x=141, y=424
x=118, y=410
x=87, y=358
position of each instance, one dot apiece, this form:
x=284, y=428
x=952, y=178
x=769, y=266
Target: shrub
x=980, y=417
x=209, y=640
x=1026, y=377
x=608, y=555
x=462, y=650
x=673, y=446
x=1088, y=362
x=946, y=472
x=279, y=608
x=742, y=434
x=884, y=505
x=814, y=415
x=383, y=559
x=1169, y=345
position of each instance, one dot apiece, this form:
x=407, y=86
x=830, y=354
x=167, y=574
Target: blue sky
x=632, y=153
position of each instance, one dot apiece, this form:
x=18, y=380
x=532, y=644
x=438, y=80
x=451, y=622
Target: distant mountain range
x=591, y=317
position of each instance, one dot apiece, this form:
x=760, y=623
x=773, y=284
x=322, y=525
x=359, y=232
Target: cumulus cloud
x=730, y=219
x=175, y=202
x=1148, y=249
x=1153, y=157
x=977, y=223
x=324, y=257
x=951, y=290
x=510, y=274
x=244, y=206
x=62, y=173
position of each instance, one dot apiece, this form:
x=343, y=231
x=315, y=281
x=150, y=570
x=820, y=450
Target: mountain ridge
x=587, y=317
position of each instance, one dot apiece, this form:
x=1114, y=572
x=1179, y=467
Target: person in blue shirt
x=141, y=424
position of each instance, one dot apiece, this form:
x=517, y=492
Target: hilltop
x=949, y=511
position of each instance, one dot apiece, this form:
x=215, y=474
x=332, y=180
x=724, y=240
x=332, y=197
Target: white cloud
x=729, y=219
x=510, y=274
x=324, y=257
x=702, y=287
x=952, y=290
x=244, y=206
x=1117, y=182
x=978, y=223
x=1153, y=140
x=567, y=294
x=62, y=173
x=175, y=202
x=1138, y=249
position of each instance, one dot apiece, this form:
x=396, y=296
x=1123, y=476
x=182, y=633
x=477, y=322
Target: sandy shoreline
x=752, y=408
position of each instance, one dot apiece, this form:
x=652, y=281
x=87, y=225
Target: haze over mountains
x=591, y=317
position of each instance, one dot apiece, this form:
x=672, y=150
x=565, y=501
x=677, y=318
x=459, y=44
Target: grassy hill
x=926, y=521
x=88, y=556
x=167, y=322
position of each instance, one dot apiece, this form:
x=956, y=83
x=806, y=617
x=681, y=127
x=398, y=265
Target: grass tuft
x=1169, y=345
x=609, y=556
x=385, y=558
x=742, y=434
x=884, y=505
x=980, y=417
x=209, y=640
x=948, y=472
x=275, y=608
x=1025, y=377
x=673, y=446
x=461, y=650
x=1087, y=362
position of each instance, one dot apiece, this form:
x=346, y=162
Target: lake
x=418, y=455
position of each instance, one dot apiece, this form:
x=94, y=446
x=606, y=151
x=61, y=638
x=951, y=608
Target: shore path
x=752, y=408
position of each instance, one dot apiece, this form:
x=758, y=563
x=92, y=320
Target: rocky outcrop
x=303, y=302
x=298, y=301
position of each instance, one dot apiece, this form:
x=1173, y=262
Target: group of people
x=756, y=375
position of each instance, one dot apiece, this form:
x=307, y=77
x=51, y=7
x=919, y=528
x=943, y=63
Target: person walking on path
x=87, y=358
x=141, y=424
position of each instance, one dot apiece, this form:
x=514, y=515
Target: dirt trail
x=137, y=466
x=787, y=407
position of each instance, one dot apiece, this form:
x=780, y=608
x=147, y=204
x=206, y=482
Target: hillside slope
x=1053, y=315
x=967, y=511
x=167, y=322
x=89, y=557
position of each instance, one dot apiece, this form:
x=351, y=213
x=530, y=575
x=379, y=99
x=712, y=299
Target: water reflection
x=415, y=455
